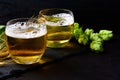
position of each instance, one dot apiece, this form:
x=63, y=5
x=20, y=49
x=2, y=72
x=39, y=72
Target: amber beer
x=26, y=43
x=59, y=24
x=58, y=36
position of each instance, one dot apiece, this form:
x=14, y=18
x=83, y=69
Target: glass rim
x=50, y=9
x=15, y=19
x=20, y=20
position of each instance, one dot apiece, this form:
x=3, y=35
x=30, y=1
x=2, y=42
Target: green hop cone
x=88, y=31
x=96, y=46
x=106, y=34
x=95, y=37
x=83, y=39
x=77, y=31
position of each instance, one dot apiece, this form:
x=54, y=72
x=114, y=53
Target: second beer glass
x=59, y=23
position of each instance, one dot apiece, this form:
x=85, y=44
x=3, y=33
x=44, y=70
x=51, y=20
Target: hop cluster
x=90, y=37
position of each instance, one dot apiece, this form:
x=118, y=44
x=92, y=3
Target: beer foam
x=67, y=19
x=22, y=30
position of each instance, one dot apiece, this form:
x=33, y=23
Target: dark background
x=97, y=14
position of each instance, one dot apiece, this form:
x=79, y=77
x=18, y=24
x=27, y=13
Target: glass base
x=56, y=44
x=26, y=60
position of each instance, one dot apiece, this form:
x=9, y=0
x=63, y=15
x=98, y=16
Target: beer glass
x=59, y=23
x=26, y=40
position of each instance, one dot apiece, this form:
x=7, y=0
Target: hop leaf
x=2, y=37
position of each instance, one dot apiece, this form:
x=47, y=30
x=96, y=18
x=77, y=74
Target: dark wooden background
x=91, y=13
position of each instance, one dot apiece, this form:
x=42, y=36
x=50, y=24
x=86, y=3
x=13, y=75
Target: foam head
x=25, y=31
x=66, y=19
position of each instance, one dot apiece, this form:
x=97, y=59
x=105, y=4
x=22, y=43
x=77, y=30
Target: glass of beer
x=26, y=40
x=59, y=23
